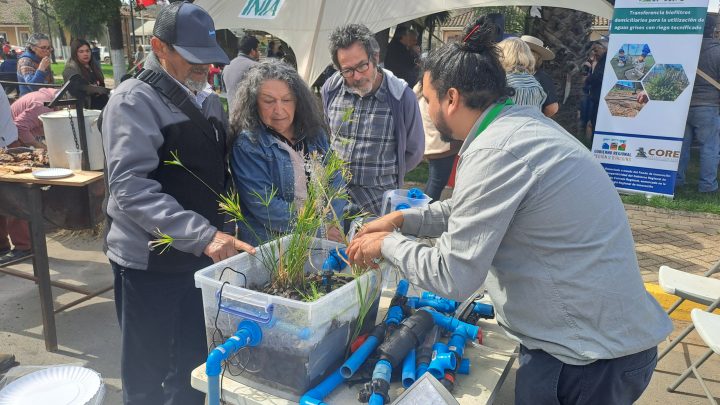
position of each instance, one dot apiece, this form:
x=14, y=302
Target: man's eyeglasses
x=45, y=48
x=361, y=68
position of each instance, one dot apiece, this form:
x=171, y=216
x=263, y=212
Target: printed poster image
x=649, y=74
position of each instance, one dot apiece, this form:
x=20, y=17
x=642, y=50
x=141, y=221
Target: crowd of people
x=533, y=216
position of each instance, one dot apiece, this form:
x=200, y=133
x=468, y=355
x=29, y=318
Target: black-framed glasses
x=361, y=68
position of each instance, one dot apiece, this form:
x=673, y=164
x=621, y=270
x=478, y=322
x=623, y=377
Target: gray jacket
x=704, y=93
x=234, y=73
x=535, y=217
x=139, y=129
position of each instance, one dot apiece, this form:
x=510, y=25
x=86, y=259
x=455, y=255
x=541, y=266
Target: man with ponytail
x=537, y=221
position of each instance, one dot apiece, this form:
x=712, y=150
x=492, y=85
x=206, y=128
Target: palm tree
x=567, y=33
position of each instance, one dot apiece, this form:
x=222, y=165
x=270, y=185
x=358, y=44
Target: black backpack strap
x=178, y=96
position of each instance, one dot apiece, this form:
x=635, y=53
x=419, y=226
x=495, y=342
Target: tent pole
x=309, y=67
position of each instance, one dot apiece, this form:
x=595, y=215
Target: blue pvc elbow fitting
x=484, y=310
x=408, y=369
x=248, y=334
x=438, y=304
x=442, y=360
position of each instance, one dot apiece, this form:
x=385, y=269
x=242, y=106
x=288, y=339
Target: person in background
x=440, y=151
x=594, y=80
x=12, y=229
x=274, y=50
x=536, y=221
x=702, y=123
x=81, y=63
x=384, y=138
x=214, y=76
x=519, y=64
x=139, y=54
x=542, y=54
x=278, y=127
x=239, y=66
x=160, y=310
x=95, y=52
x=401, y=57
x=34, y=64
x=26, y=112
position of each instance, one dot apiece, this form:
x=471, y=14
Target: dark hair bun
x=479, y=36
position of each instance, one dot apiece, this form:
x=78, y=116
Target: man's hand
x=334, y=234
x=223, y=246
x=642, y=97
x=364, y=249
x=386, y=223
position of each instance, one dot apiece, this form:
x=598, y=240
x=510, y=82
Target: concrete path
x=88, y=334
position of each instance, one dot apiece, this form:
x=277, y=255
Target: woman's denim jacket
x=258, y=163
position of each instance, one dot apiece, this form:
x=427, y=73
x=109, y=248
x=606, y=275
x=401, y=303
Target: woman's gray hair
x=35, y=39
x=344, y=36
x=244, y=116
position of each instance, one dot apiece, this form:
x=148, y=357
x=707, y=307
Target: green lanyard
x=490, y=117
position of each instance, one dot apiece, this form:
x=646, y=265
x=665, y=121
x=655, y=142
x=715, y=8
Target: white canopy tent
x=306, y=24
x=145, y=30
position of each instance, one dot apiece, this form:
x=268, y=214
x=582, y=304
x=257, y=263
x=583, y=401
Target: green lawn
x=58, y=68
x=686, y=199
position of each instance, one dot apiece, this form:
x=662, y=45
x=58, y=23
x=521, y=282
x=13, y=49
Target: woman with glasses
x=278, y=126
x=82, y=63
x=34, y=64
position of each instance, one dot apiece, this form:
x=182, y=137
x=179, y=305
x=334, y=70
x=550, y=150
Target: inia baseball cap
x=191, y=31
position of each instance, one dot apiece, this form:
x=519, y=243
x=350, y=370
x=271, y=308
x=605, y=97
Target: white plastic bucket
x=59, y=137
x=394, y=200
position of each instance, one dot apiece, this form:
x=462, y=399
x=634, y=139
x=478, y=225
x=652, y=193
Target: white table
x=487, y=374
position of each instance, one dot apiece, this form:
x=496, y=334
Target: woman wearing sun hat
x=541, y=53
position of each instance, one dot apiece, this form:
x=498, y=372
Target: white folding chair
x=708, y=326
x=700, y=289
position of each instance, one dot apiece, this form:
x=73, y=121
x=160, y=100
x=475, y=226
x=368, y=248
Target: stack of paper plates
x=63, y=385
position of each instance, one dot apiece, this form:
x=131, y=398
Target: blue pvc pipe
x=316, y=395
x=394, y=315
x=454, y=325
x=402, y=288
x=456, y=344
x=353, y=363
x=408, y=369
x=248, y=334
x=442, y=304
x=464, y=367
x=376, y=399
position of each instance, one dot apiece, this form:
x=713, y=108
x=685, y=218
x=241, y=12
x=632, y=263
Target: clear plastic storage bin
x=302, y=342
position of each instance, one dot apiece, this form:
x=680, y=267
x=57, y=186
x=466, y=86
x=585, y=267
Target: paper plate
x=52, y=173
x=64, y=385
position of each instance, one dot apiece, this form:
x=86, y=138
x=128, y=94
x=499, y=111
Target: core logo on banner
x=650, y=67
x=261, y=9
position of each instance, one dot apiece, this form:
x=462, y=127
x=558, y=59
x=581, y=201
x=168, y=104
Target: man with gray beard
x=384, y=138
x=166, y=112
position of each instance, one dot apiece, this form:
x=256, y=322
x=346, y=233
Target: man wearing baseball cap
x=166, y=112
x=541, y=53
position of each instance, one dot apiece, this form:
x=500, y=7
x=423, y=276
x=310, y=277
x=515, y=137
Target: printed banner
x=647, y=85
x=261, y=9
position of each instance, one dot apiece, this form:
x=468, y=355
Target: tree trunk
x=37, y=20
x=116, y=47
x=567, y=33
